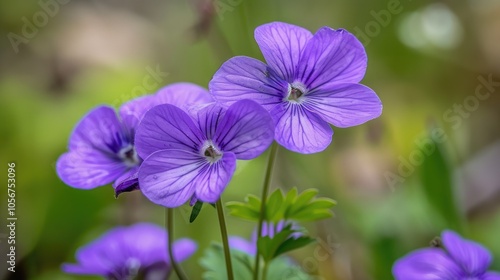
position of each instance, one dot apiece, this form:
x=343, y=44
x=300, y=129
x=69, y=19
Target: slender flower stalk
x=264, y=271
x=169, y=215
x=225, y=240
x=265, y=191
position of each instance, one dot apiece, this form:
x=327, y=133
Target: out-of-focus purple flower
x=308, y=82
x=268, y=229
x=195, y=154
x=460, y=259
x=125, y=252
x=101, y=147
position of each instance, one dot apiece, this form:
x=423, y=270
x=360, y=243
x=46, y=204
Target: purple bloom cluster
x=182, y=143
x=101, y=147
x=126, y=252
x=460, y=259
x=179, y=145
x=309, y=81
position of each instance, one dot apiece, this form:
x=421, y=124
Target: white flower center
x=128, y=155
x=211, y=152
x=296, y=92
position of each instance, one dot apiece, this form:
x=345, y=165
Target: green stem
x=264, y=270
x=225, y=241
x=265, y=190
x=169, y=215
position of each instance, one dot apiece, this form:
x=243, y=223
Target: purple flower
x=268, y=229
x=308, y=82
x=125, y=252
x=194, y=155
x=460, y=259
x=101, y=147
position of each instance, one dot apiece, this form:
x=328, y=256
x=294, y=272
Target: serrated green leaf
x=214, y=262
x=283, y=268
x=307, y=208
x=316, y=204
x=195, y=211
x=316, y=210
x=242, y=210
x=293, y=243
x=292, y=206
x=302, y=200
x=253, y=202
x=291, y=196
x=310, y=216
x=322, y=202
x=275, y=207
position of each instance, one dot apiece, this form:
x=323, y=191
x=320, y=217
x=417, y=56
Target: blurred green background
x=428, y=61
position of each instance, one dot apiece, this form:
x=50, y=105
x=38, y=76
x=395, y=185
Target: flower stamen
x=211, y=153
x=296, y=91
x=128, y=155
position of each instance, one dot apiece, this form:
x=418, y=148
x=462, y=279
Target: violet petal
x=246, y=129
x=282, y=45
x=299, y=130
x=332, y=56
x=345, y=105
x=167, y=127
x=243, y=77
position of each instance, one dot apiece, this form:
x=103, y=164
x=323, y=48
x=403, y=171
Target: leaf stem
x=225, y=241
x=169, y=216
x=265, y=191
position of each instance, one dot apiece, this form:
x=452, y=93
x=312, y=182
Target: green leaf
x=317, y=209
x=436, y=178
x=282, y=268
x=302, y=200
x=253, y=202
x=292, y=244
x=268, y=246
x=305, y=207
x=291, y=196
x=264, y=244
x=195, y=211
x=310, y=216
x=322, y=202
x=292, y=206
x=214, y=262
x=242, y=210
x=274, y=207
